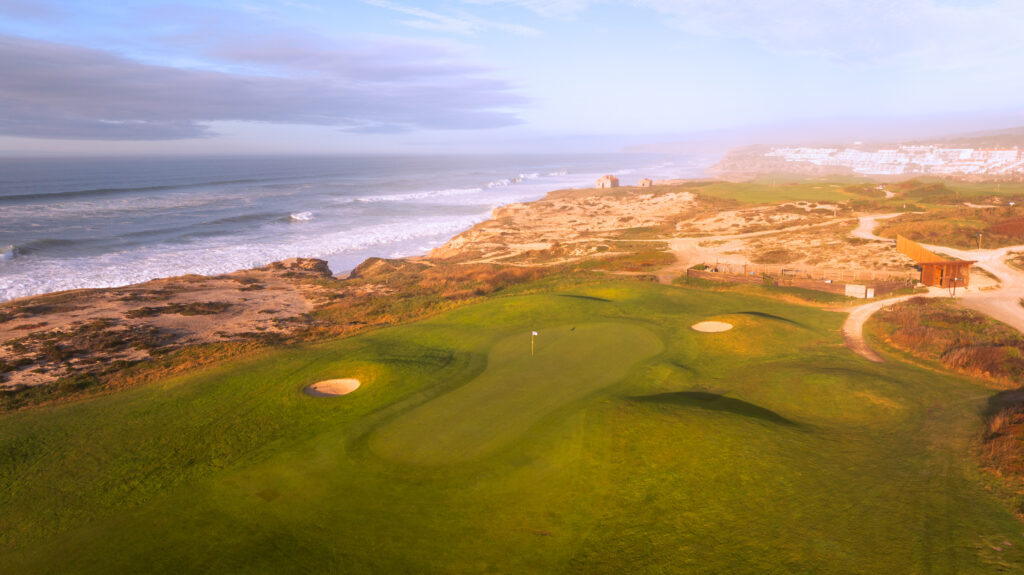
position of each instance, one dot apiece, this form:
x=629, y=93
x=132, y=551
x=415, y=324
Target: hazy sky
x=491, y=75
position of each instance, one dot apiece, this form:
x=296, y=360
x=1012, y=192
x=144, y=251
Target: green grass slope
x=516, y=391
x=631, y=444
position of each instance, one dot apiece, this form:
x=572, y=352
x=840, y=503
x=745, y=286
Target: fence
x=814, y=273
x=874, y=288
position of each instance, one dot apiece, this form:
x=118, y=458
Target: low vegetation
x=768, y=447
x=624, y=442
x=960, y=339
x=1001, y=448
x=960, y=227
x=194, y=308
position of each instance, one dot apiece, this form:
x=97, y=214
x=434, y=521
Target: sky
x=463, y=76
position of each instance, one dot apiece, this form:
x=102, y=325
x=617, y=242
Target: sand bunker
x=712, y=326
x=332, y=387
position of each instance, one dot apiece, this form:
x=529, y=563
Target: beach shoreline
x=112, y=223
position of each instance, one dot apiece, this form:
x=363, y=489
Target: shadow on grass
x=683, y=367
x=1012, y=399
x=716, y=402
x=770, y=316
x=588, y=297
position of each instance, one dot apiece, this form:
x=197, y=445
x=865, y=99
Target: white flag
x=535, y=333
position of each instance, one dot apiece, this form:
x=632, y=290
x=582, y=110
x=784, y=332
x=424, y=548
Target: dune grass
x=769, y=448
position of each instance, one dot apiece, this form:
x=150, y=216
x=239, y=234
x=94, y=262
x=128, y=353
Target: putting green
x=770, y=448
x=516, y=391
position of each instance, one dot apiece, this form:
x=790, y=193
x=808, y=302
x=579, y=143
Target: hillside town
x=929, y=159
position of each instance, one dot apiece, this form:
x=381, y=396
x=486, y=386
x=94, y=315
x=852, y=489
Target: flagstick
x=531, y=344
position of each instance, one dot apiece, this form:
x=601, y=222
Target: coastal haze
x=88, y=223
x=512, y=286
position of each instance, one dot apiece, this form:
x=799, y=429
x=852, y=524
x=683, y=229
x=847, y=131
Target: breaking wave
x=420, y=195
x=47, y=274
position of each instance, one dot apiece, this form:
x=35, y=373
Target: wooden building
x=936, y=270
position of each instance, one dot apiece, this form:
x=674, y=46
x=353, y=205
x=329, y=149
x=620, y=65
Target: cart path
x=1003, y=304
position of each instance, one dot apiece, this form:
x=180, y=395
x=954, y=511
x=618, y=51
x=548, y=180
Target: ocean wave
x=101, y=192
x=247, y=218
x=559, y=173
x=8, y=252
x=420, y=195
x=25, y=276
x=301, y=216
x=36, y=246
x=504, y=182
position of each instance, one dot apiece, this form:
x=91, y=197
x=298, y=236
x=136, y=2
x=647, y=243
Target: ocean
x=90, y=223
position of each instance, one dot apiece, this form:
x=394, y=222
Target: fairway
x=628, y=443
x=516, y=391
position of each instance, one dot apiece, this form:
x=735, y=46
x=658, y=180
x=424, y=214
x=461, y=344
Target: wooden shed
x=936, y=270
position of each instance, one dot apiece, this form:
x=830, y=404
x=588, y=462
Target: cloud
x=462, y=24
x=54, y=90
x=934, y=33
x=30, y=10
x=556, y=8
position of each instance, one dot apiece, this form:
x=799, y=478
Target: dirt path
x=853, y=327
x=689, y=252
x=1003, y=304
x=866, y=229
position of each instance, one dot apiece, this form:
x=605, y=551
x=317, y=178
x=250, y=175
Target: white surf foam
x=420, y=195
x=30, y=276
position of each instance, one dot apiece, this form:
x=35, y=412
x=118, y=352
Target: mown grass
x=774, y=190
x=767, y=448
x=781, y=292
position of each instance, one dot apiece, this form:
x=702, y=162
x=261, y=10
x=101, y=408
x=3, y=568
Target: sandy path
x=689, y=252
x=853, y=327
x=866, y=229
x=1002, y=304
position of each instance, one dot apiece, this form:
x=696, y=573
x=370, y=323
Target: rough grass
x=959, y=227
x=960, y=339
x=194, y=308
x=768, y=448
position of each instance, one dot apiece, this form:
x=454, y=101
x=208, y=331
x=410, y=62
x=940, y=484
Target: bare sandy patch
x=332, y=387
x=711, y=326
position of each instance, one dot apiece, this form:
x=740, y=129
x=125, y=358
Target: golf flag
x=535, y=333
x=532, y=335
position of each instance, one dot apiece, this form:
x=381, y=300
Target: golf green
x=630, y=444
x=516, y=391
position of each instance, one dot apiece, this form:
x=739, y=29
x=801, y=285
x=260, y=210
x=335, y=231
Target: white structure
x=607, y=181
x=911, y=160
